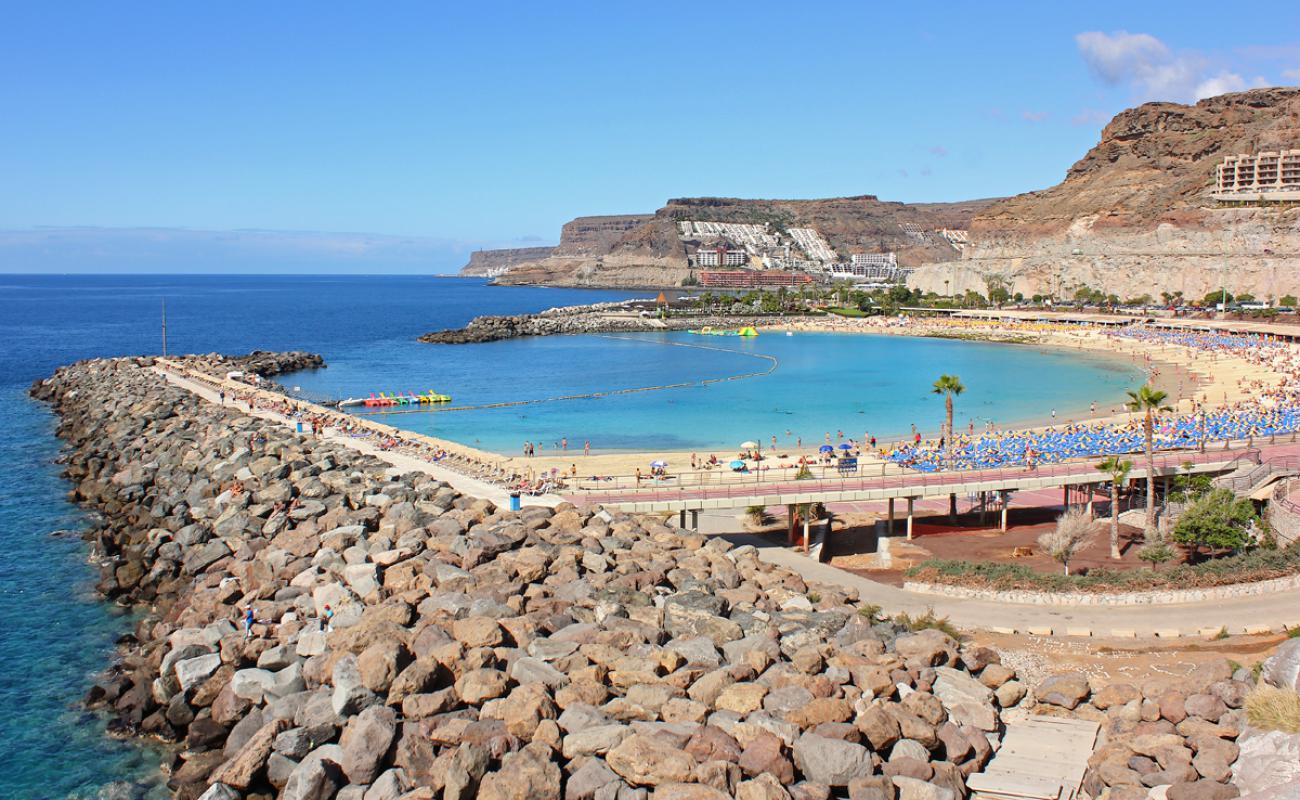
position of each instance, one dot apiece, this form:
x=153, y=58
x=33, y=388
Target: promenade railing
x=656, y=490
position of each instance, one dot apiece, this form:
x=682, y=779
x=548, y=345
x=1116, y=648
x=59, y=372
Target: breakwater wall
x=585, y=319
x=408, y=641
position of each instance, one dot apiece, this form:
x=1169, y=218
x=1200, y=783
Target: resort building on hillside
x=871, y=268
x=750, y=279
x=720, y=257
x=864, y=260
x=1269, y=175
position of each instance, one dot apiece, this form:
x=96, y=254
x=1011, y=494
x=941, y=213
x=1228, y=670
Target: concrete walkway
x=1261, y=614
x=464, y=484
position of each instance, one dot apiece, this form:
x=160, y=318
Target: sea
x=55, y=635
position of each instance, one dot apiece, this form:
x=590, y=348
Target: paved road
x=1277, y=611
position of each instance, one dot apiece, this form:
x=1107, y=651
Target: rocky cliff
x=647, y=250
x=1135, y=216
x=488, y=263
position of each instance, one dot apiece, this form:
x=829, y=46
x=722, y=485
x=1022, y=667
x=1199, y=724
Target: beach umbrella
x=749, y=445
x=826, y=449
x=846, y=447
x=737, y=464
x=658, y=463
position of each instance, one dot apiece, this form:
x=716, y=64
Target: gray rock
x=219, y=791
x=193, y=671
x=365, y=742
x=350, y=694
x=833, y=762
x=317, y=777
x=967, y=701
x=590, y=778
x=388, y=786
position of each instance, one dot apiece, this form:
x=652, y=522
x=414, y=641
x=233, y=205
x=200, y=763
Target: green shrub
x=927, y=621
x=1254, y=565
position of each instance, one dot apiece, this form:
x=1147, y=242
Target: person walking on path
x=222, y=396
x=329, y=618
x=248, y=623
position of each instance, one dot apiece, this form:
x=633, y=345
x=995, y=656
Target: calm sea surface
x=55, y=635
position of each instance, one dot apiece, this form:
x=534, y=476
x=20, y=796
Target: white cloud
x=1116, y=57
x=1153, y=71
x=1291, y=74
x=1034, y=116
x=939, y=150
x=1090, y=116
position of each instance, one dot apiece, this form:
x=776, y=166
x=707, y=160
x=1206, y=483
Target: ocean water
x=54, y=634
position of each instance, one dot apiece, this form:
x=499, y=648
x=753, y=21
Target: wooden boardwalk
x=1042, y=758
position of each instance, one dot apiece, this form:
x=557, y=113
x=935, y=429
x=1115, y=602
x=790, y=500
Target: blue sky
x=493, y=123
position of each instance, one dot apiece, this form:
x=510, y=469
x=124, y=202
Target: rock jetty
x=412, y=642
x=598, y=318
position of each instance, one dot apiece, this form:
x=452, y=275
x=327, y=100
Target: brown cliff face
x=1135, y=215
x=645, y=249
x=1154, y=163
x=487, y=262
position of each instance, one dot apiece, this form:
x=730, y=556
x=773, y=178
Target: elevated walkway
x=909, y=486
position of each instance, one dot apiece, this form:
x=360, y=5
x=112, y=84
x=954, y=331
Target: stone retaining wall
x=1283, y=513
x=1155, y=598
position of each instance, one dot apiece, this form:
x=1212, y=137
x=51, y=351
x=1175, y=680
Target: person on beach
x=586, y=447
x=564, y=443
x=328, y=614
x=222, y=396
x=248, y=623
x=638, y=477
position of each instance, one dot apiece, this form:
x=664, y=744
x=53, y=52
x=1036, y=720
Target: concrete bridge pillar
x=1006, y=501
x=891, y=516
x=910, y=504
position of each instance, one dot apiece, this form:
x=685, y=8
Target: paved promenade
x=1275, y=612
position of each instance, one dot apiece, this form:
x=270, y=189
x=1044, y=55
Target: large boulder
x=1066, y=691
x=646, y=760
x=833, y=762
x=1282, y=669
x=967, y=701
x=528, y=774
x=366, y=741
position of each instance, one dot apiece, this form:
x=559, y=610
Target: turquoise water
x=823, y=383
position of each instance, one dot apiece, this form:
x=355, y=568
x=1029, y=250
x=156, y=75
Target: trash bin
x=299, y=427
x=514, y=501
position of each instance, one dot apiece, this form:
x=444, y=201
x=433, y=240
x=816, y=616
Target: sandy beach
x=1184, y=374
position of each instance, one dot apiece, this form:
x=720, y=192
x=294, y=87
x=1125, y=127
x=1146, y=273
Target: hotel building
x=1269, y=175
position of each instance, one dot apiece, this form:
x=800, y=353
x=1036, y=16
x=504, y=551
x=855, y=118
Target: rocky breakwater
x=578, y=320
x=262, y=363
x=411, y=642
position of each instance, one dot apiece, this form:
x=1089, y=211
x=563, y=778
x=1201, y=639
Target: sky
x=398, y=136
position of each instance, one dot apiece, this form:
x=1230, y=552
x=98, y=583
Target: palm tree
x=1118, y=470
x=949, y=386
x=1149, y=400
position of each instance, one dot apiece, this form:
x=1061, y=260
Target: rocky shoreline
x=412, y=642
